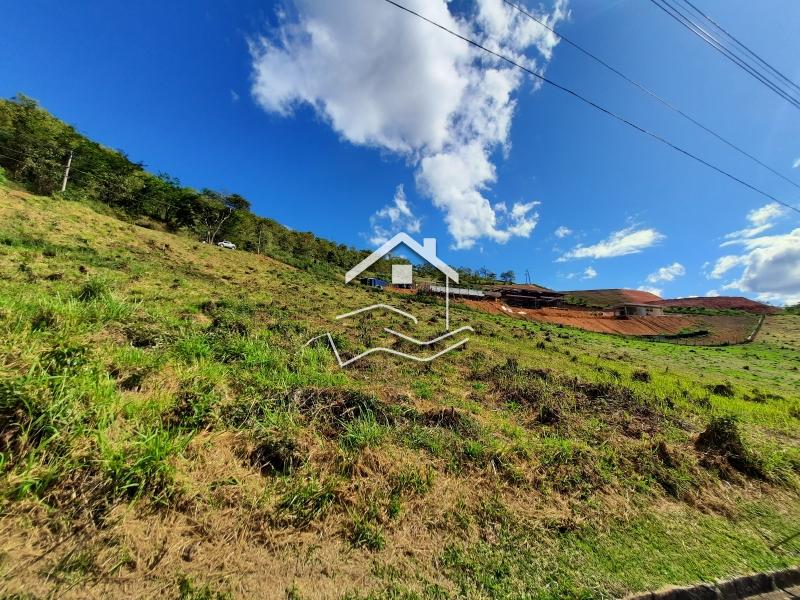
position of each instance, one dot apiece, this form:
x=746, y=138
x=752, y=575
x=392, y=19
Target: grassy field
x=165, y=432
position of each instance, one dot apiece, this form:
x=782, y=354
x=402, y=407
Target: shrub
x=722, y=389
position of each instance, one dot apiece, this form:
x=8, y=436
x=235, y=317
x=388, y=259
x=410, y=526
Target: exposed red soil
x=606, y=298
x=721, y=302
x=722, y=329
x=593, y=321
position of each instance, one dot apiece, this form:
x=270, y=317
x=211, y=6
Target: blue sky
x=173, y=85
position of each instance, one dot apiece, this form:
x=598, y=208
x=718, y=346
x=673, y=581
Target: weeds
x=143, y=465
x=722, y=445
x=94, y=289
x=306, y=502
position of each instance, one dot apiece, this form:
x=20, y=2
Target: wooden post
x=66, y=173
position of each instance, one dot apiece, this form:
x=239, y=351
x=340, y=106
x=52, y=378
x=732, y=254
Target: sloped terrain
x=721, y=302
x=701, y=330
x=165, y=432
x=608, y=298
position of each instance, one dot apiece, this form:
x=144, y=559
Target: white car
x=227, y=244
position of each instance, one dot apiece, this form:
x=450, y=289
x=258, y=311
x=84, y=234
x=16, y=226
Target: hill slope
x=720, y=302
x=166, y=432
x=608, y=298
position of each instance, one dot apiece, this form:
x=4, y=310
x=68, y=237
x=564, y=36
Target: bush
x=3, y=178
x=722, y=389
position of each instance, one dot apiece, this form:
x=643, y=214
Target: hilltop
x=166, y=431
x=608, y=298
x=720, y=303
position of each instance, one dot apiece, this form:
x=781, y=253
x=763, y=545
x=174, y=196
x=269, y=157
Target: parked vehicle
x=227, y=244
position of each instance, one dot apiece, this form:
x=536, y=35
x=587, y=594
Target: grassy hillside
x=164, y=432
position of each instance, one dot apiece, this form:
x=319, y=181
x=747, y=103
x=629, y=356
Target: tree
x=507, y=276
x=212, y=212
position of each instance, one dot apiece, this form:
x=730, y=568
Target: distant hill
x=721, y=303
x=606, y=298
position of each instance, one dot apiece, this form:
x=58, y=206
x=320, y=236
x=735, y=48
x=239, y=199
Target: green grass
x=157, y=396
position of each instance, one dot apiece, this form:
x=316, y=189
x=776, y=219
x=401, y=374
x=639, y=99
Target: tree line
x=35, y=147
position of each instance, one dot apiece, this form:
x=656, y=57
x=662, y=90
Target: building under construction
x=528, y=296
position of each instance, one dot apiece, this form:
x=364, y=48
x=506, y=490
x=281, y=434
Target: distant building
x=529, y=296
x=374, y=282
x=635, y=309
x=457, y=291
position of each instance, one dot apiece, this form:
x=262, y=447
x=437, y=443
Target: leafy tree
x=507, y=276
x=36, y=146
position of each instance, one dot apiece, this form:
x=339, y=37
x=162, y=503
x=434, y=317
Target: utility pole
x=527, y=276
x=66, y=172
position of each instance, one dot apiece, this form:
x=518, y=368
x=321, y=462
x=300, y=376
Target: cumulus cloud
x=562, y=232
x=725, y=264
x=712, y=294
x=771, y=268
x=394, y=218
x=589, y=273
x=385, y=79
x=669, y=273
x=768, y=266
x=652, y=290
x=625, y=241
x=796, y=164
x=761, y=220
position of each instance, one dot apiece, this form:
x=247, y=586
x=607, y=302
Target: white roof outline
x=412, y=244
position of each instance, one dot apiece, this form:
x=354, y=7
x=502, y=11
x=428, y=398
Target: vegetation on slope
x=164, y=428
x=34, y=146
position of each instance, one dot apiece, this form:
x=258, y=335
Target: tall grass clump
x=94, y=289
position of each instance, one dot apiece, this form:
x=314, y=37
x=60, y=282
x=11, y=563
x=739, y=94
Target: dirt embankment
x=594, y=320
x=712, y=330
x=721, y=302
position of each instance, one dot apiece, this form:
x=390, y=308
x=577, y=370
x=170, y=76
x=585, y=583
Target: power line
x=648, y=91
x=743, y=62
x=594, y=105
x=698, y=30
x=741, y=45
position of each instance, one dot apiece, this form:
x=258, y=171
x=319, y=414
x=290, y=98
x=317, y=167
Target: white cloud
x=385, y=79
x=725, y=264
x=562, y=232
x=771, y=268
x=619, y=243
x=761, y=219
x=393, y=218
x=667, y=273
x=712, y=294
x=796, y=164
x=589, y=273
x=652, y=290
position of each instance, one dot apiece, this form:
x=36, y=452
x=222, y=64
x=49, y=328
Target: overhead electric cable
x=685, y=21
x=592, y=104
x=648, y=91
x=741, y=45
